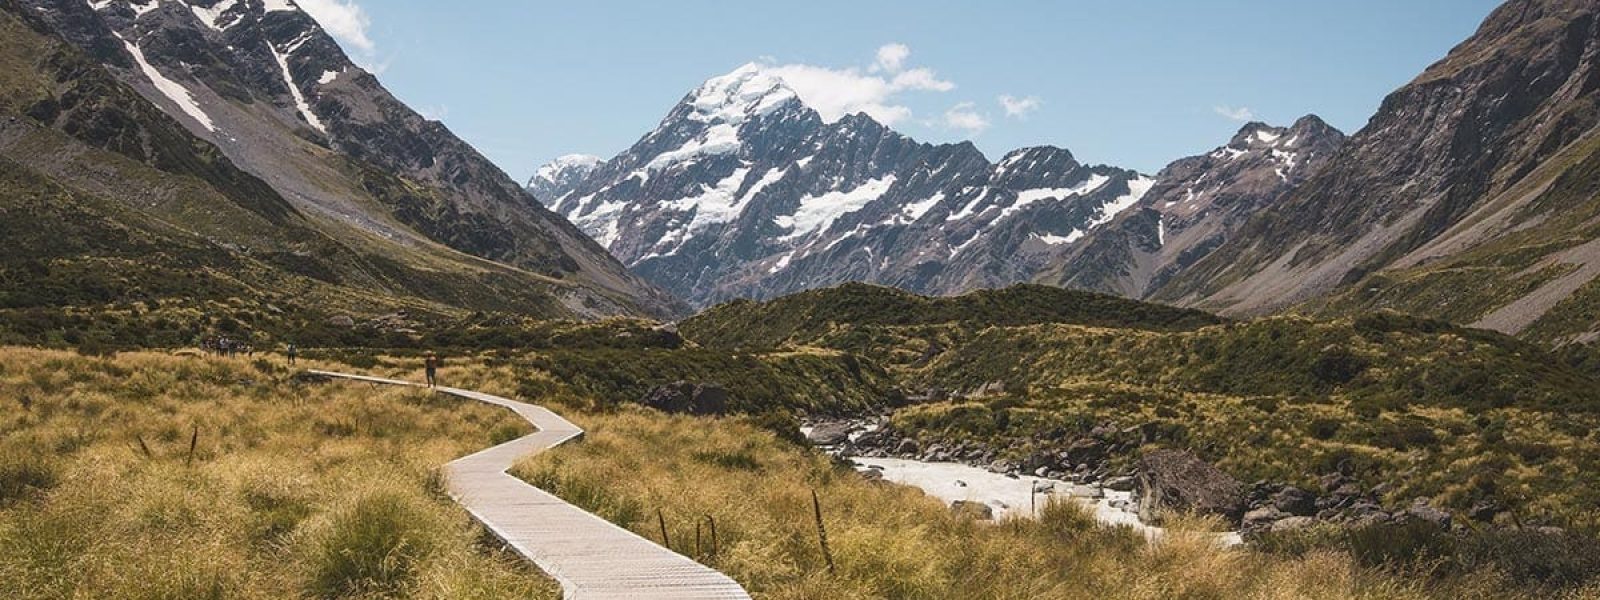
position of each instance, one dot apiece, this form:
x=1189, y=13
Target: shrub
x=374, y=546
x=23, y=474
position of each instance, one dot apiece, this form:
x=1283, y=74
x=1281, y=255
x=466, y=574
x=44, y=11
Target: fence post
x=822, y=532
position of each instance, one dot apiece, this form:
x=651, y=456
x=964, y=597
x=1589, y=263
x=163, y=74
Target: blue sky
x=1134, y=84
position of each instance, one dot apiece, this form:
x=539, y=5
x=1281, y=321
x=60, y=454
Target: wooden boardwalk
x=592, y=558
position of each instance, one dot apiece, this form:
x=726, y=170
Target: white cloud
x=1019, y=107
x=892, y=58
x=965, y=116
x=1242, y=113
x=834, y=93
x=345, y=20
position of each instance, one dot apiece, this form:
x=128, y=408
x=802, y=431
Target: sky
x=1132, y=84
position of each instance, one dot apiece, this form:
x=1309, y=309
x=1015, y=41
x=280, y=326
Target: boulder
x=1423, y=510
x=1293, y=524
x=1295, y=501
x=975, y=510
x=1087, y=450
x=683, y=397
x=1262, y=519
x=1121, y=483
x=906, y=447
x=342, y=321
x=829, y=434
x=1178, y=481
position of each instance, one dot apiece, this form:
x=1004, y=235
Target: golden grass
x=891, y=541
x=292, y=491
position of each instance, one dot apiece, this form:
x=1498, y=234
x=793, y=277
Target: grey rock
x=1177, y=481
x=1293, y=524
x=1295, y=501
x=975, y=510
x=1122, y=483
x=684, y=397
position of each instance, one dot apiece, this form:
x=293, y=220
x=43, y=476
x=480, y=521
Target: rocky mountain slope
x=262, y=87
x=744, y=191
x=1470, y=195
x=1197, y=204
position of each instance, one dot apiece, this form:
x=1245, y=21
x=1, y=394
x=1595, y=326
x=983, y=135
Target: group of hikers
x=226, y=346
x=229, y=347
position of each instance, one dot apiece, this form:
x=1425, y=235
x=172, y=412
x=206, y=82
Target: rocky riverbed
x=999, y=482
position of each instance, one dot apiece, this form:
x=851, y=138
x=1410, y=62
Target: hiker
x=291, y=351
x=430, y=364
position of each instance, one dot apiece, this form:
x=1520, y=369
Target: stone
x=1086, y=450
x=1295, y=501
x=682, y=397
x=975, y=510
x=1176, y=481
x=1121, y=483
x=1261, y=519
x=829, y=434
x=1484, y=511
x=906, y=447
x=1423, y=510
x=342, y=321
x=1293, y=524
x=872, y=474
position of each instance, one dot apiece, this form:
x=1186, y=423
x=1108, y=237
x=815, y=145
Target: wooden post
x=822, y=532
x=662, y=521
x=142, y=447
x=194, y=439
x=715, y=548
x=697, y=540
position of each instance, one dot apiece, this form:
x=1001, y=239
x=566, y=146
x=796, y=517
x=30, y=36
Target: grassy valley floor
x=290, y=491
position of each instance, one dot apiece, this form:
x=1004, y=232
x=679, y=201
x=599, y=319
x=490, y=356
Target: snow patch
x=171, y=89
x=328, y=77
x=1266, y=137
x=139, y=9
x=212, y=17
x=817, y=213
x=1027, y=197
x=294, y=90
x=716, y=204
x=719, y=139
x=915, y=210
x=278, y=5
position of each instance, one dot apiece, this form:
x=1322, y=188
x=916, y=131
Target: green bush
x=372, y=547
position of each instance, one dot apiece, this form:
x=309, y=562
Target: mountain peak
x=748, y=91
x=559, y=177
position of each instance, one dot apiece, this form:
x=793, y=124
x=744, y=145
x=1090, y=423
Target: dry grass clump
x=891, y=541
x=289, y=491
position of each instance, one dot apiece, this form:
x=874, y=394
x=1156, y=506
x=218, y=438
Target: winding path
x=592, y=558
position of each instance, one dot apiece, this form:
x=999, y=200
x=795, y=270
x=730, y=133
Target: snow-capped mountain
x=744, y=191
x=560, y=176
x=1198, y=203
x=264, y=83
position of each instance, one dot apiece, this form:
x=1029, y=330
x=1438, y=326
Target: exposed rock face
x=1175, y=481
x=744, y=191
x=683, y=397
x=268, y=87
x=1197, y=203
x=1483, y=165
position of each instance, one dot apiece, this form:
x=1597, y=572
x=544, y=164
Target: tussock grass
x=271, y=504
x=891, y=541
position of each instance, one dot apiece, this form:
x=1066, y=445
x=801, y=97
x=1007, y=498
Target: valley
x=777, y=347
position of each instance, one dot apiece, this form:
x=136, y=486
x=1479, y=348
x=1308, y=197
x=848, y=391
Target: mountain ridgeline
x=239, y=155
x=745, y=191
x=1468, y=197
